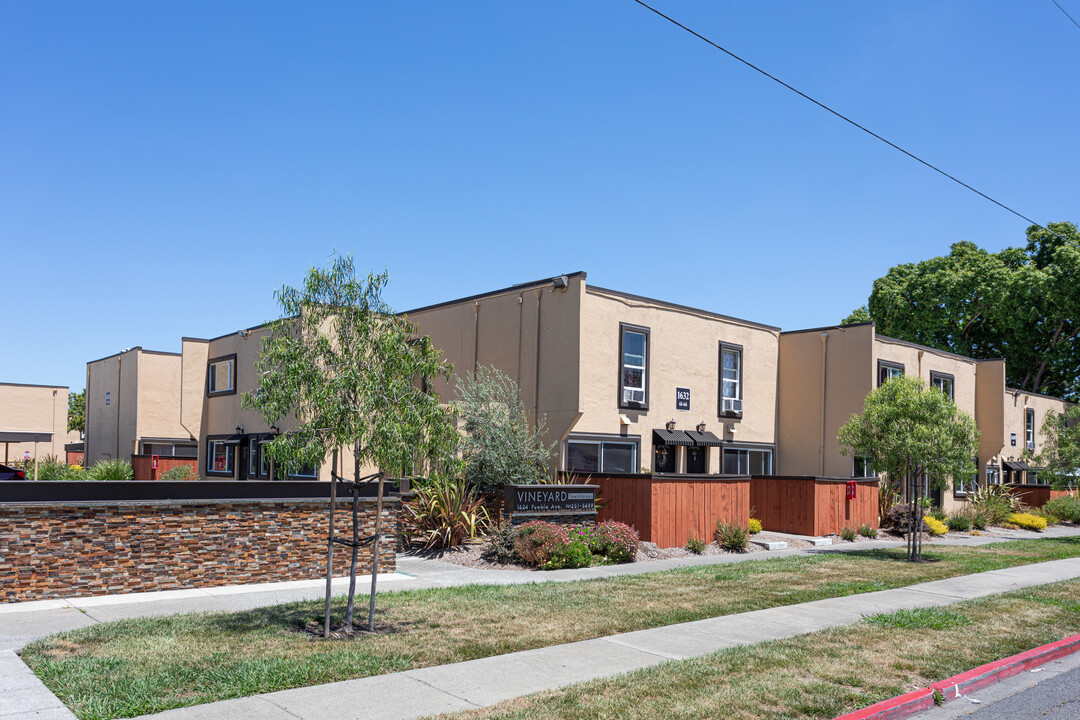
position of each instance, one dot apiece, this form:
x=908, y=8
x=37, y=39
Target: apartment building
x=624, y=382
x=33, y=421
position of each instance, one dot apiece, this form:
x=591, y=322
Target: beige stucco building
x=33, y=420
x=621, y=378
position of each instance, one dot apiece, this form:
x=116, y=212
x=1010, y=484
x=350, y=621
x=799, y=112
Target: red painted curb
x=915, y=701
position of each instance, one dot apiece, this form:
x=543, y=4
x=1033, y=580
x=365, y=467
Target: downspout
x=476, y=338
x=119, y=382
x=824, y=379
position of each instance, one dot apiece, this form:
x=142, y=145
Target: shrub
x=443, y=514
x=995, y=503
x=959, y=522
x=938, y=514
x=934, y=526
x=1050, y=518
x=978, y=520
x=695, y=544
x=105, y=470
x=848, y=533
x=179, y=473
x=54, y=471
x=898, y=517
x=574, y=554
x=500, y=547
x=537, y=541
x=867, y=531
x=616, y=541
x=754, y=526
x=731, y=536
x=1067, y=508
x=1028, y=521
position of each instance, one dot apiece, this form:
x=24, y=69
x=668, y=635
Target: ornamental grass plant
x=1065, y=508
x=731, y=536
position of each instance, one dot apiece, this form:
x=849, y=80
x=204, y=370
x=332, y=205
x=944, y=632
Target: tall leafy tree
x=76, y=416
x=914, y=434
x=1022, y=304
x=341, y=370
x=1060, y=456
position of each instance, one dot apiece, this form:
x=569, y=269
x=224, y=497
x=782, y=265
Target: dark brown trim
x=934, y=375
x=676, y=306
x=65, y=493
x=827, y=327
x=209, y=364
x=623, y=329
x=50, y=387
x=720, y=378
x=887, y=364
x=927, y=348
x=493, y=293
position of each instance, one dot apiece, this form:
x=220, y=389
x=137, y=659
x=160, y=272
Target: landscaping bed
x=820, y=675
x=132, y=667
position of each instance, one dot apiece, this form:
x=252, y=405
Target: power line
x=1066, y=14
x=845, y=118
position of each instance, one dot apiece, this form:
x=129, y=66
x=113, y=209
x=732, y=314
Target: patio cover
x=672, y=437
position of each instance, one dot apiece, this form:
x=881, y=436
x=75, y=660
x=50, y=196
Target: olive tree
x=341, y=370
x=1060, y=455
x=910, y=431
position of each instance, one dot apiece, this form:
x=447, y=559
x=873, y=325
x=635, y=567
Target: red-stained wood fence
x=1037, y=495
x=812, y=505
x=666, y=509
x=144, y=470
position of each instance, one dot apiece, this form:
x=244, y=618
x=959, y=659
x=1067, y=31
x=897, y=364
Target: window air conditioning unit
x=630, y=395
x=732, y=405
x=1030, y=445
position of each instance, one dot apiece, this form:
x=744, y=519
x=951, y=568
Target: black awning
x=19, y=437
x=672, y=437
x=1015, y=466
x=703, y=439
x=232, y=440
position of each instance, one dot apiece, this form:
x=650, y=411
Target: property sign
x=549, y=499
x=682, y=398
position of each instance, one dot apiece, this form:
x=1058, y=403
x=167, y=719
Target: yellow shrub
x=755, y=526
x=935, y=526
x=1028, y=521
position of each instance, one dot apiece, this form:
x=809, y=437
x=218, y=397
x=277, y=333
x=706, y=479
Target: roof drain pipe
x=824, y=358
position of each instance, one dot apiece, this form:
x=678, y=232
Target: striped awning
x=703, y=439
x=663, y=436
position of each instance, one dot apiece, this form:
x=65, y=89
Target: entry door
x=243, y=459
x=695, y=460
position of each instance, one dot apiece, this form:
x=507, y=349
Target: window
x=888, y=370
x=1029, y=428
x=944, y=383
x=963, y=486
x=993, y=475
x=663, y=458
x=730, y=380
x=304, y=472
x=745, y=461
x=220, y=458
x=861, y=467
x=188, y=450
x=258, y=462
x=634, y=367
x=598, y=454
x=221, y=376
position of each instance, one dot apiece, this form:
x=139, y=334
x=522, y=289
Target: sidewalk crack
x=445, y=692
x=283, y=709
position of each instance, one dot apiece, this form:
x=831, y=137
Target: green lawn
x=132, y=667
x=820, y=675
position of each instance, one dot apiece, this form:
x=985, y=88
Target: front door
x=695, y=460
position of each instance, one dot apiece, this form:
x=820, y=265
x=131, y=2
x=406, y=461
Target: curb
x=915, y=701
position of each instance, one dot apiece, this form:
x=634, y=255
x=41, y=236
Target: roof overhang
x=672, y=437
x=704, y=439
x=12, y=437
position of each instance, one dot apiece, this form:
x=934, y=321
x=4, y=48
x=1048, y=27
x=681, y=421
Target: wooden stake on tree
x=375, y=552
x=330, y=545
x=355, y=541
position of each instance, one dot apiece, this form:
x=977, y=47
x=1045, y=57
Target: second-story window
x=730, y=379
x=221, y=376
x=634, y=367
x=887, y=371
x=1029, y=427
x=944, y=383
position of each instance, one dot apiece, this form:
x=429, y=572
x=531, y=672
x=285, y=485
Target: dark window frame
x=882, y=364
x=934, y=375
x=749, y=448
x=720, y=412
x=1029, y=428
x=209, y=371
x=600, y=439
x=230, y=454
x=866, y=466
x=623, y=329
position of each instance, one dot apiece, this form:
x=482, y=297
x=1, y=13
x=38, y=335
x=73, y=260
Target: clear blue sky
x=165, y=166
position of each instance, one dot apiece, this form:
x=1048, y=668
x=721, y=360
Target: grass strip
x=145, y=665
x=820, y=675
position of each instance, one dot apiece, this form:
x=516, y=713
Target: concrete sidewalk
x=432, y=690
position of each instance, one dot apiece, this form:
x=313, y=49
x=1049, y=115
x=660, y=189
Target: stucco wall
x=160, y=381
x=111, y=428
x=34, y=408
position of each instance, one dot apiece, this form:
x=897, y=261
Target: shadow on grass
x=301, y=617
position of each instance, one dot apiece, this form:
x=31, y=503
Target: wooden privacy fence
x=142, y=466
x=1037, y=495
x=666, y=509
x=813, y=505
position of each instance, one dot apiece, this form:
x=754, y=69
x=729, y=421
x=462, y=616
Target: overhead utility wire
x=1066, y=14
x=844, y=117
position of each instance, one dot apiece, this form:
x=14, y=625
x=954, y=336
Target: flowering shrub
x=552, y=547
x=1028, y=521
x=537, y=541
x=755, y=526
x=616, y=541
x=934, y=526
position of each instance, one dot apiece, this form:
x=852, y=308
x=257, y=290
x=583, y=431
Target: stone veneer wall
x=56, y=550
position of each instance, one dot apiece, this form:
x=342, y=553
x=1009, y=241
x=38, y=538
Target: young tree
x=912, y=431
x=346, y=372
x=1060, y=455
x=501, y=446
x=76, y=419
